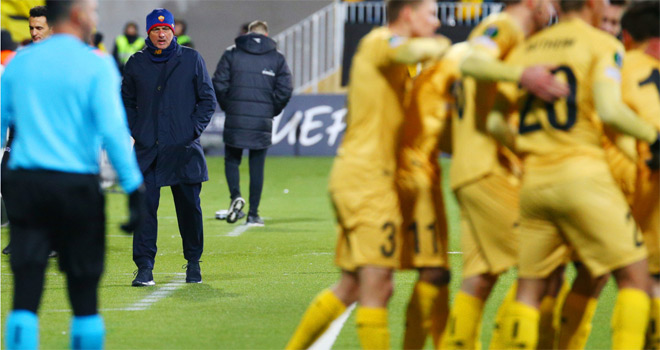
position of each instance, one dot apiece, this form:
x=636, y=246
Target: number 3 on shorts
x=388, y=227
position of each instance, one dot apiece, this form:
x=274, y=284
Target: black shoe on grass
x=193, y=272
x=143, y=278
x=254, y=220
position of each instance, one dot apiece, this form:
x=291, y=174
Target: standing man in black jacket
x=169, y=101
x=253, y=84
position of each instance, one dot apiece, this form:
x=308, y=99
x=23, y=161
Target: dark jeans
x=233, y=157
x=188, y=215
x=64, y=211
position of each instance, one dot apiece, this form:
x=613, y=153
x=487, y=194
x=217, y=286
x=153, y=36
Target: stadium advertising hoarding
x=310, y=125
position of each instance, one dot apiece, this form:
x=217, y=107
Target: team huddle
x=553, y=132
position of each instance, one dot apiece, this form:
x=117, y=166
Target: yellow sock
x=629, y=319
x=439, y=315
x=426, y=314
x=559, y=304
x=496, y=341
x=653, y=332
x=546, y=325
x=576, y=317
x=464, y=320
x=324, y=309
x=520, y=327
x=372, y=328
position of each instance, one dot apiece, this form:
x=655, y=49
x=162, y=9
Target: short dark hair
x=572, y=5
x=38, y=11
x=394, y=8
x=511, y=2
x=642, y=20
x=258, y=25
x=57, y=10
x=619, y=2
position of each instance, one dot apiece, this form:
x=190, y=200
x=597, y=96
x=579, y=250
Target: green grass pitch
x=256, y=285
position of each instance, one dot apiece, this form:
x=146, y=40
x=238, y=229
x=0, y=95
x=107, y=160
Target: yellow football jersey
x=563, y=140
x=377, y=91
x=427, y=114
x=475, y=152
x=641, y=85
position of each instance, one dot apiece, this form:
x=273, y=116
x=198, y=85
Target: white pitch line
x=238, y=231
x=328, y=338
x=455, y=252
x=161, y=293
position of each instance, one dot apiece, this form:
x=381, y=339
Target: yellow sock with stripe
x=520, y=327
x=497, y=341
x=653, y=331
x=426, y=314
x=462, y=329
x=324, y=309
x=630, y=318
x=576, y=317
x=372, y=328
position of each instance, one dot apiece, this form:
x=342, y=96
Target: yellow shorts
x=589, y=215
x=368, y=225
x=424, y=227
x=489, y=215
x=646, y=210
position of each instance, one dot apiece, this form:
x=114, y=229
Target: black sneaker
x=7, y=250
x=193, y=272
x=143, y=277
x=235, y=208
x=254, y=220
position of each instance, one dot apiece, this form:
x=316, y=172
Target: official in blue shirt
x=169, y=101
x=62, y=113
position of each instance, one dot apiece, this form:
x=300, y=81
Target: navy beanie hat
x=160, y=17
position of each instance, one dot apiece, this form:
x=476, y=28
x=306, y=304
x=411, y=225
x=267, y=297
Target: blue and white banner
x=310, y=125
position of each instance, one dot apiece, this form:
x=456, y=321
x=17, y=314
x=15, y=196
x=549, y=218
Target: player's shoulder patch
x=395, y=41
x=491, y=31
x=618, y=59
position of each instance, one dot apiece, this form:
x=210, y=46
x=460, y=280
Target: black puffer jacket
x=253, y=84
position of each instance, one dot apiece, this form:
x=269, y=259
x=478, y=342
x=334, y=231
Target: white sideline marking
x=146, y=302
x=328, y=338
x=238, y=231
x=455, y=252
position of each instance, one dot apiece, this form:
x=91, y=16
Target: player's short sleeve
x=496, y=38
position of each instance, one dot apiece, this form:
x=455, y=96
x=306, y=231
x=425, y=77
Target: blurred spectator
x=15, y=15
x=97, y=41
x=180, y=27
x=253, y=84
x=244, y=28
x=127, y=44
x=611, y=22
x=39, y=27
x=8, y=47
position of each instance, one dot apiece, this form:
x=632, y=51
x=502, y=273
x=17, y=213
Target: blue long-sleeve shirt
x=64, y=103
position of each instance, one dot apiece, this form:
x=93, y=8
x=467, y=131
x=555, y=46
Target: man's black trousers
x=188, y=214
x=64, y=211
x=233, y=157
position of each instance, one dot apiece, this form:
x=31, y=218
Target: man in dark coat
x=169, y=101
x=253, y=84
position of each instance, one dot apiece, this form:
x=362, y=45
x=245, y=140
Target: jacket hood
x=255, y=43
